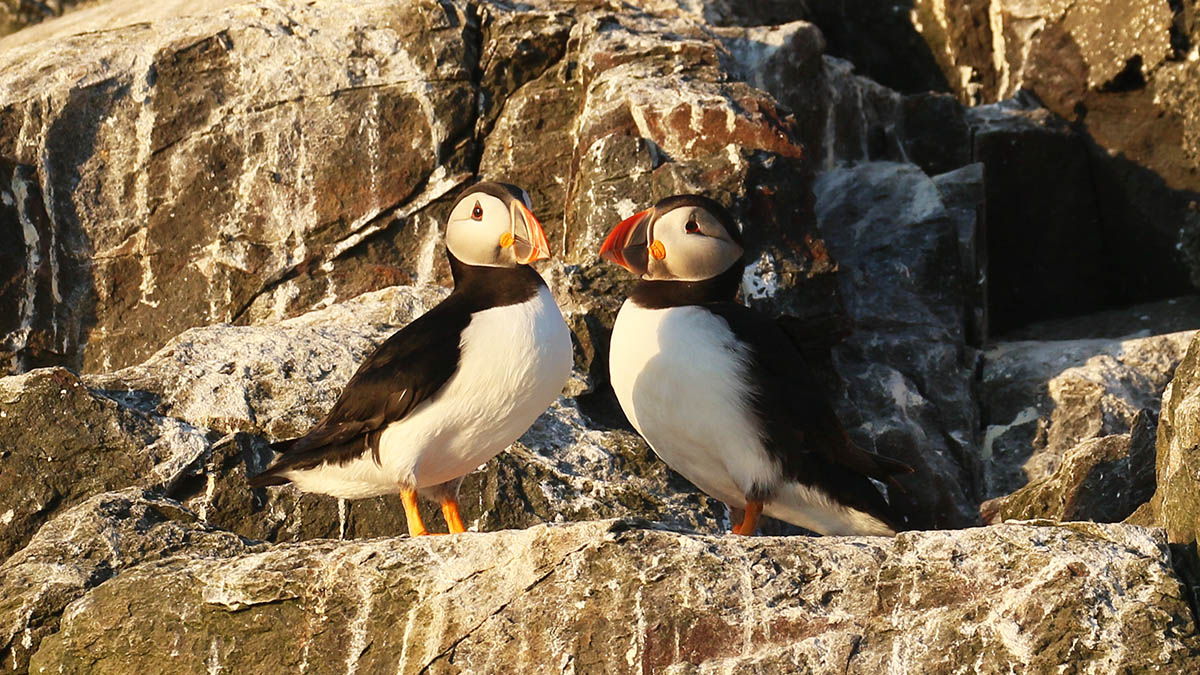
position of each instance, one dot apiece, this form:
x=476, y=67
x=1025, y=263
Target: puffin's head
x=681, y=238
x=491, y=226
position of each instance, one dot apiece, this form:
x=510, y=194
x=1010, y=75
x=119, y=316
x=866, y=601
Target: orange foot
x=453, y=520
x=750, y=522
x=412, y=511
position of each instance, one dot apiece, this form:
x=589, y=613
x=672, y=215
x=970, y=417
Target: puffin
x=457, y=385
x=720, y=392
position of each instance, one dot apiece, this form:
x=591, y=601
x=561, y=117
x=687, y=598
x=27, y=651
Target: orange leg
x=750, y=522
x=450, y=513
x=416, y=528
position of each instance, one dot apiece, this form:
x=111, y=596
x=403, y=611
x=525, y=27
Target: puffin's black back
x=801, y=427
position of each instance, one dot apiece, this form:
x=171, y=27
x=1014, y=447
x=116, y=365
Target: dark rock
x=1102, y=479
x=1164, y=316
x=1124, y=75
x=61, y=443
x=86, y=546
x=907, y=367
x=1042, y=400
x=1043, y=229
x=40, y=327
x=613, y=595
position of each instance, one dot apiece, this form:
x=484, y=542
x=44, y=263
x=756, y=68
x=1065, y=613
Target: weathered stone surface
x=87, y=545
x=1102, y=479
x=60, y=443
x=1123, y=73
x=193, y=164
x=909, y=378
x=613, y=596
x=1176, y=501
x=1042, y=399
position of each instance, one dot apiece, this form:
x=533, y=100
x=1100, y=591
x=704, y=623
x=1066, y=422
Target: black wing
x=408, y=368
x=802, y=429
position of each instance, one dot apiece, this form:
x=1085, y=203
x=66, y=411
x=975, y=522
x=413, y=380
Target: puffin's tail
x=814, y=509
x=271, y=475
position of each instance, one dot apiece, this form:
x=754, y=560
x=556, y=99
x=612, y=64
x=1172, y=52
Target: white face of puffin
x=491, y=231
x=684, y=243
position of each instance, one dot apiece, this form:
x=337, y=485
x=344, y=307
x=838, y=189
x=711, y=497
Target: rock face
x=84, y=547
x=908, y=386
x=1176, y=501
x=1063, y=418
x=1124, y=73
x=615, y=596
x=76, y=443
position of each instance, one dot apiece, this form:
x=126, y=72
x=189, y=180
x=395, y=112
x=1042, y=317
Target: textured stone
x=60, y=443
x=1176, y=501
x=1125, y=75
x=1042, y=399
x=613, y=596
x=85, y=546
x=908, y=379
x=1102, y=479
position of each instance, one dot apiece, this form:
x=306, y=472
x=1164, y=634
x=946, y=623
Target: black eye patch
x=692, y=227
x=477, y=212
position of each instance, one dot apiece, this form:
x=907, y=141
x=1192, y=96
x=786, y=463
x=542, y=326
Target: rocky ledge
x=623, y=596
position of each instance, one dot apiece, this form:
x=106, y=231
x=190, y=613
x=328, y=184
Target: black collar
x=662, y=294
x=486, y=287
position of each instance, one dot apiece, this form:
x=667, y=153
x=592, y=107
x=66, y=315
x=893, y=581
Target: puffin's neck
x=661, y=294
x=494, y=286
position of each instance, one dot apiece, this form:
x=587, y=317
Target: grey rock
x=87, y=545
x=1043, y=399
x=1102, y=479
x=613, y=596
x=61, y=443
x=908, y=370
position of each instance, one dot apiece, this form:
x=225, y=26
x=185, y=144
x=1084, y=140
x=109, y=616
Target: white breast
x=680, y=376
x=513, y=363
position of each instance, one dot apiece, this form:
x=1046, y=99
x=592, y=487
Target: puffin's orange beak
x=628, y=244
x=528, y=237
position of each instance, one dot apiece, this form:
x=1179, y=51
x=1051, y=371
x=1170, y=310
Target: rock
x=17, y=14
x=1102, y=479
x=1045, y=249
x=1043, y=399
x=350, y=166
x=1177, y=497
x=1164, y=316
x=907, y=368
x=614, y=595
x=86, y=546
x=61, y=443
x=193, y=165
x=1125, y=75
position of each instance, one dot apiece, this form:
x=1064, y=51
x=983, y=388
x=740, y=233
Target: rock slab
x=617, y=596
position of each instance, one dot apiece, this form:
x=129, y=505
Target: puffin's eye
x=477, y=212
x=692, y=226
